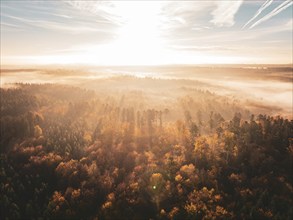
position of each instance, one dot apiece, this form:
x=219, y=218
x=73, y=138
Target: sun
x=138, y=39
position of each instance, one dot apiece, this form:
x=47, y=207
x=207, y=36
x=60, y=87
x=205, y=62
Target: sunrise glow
x=146, y=109
x=146, y=32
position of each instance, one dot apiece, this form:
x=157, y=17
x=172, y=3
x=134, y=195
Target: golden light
x=138, y=39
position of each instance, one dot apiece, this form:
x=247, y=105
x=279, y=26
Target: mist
x=258, y=89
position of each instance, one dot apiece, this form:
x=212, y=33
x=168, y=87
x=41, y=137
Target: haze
x=146, y=32
x=146, y=110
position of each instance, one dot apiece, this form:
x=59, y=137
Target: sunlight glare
x=139, y=39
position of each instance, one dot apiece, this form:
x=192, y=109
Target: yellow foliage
x=156, y=178
x=178, y=178
x=38, y=131
x=173, y=212
x=111, y=197
x=107, y=205
x=75, y=193
x=188, y=169
x=87, y=137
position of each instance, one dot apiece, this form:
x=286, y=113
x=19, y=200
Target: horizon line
x=2, y=66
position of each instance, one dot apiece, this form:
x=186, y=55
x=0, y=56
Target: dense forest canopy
x=141, y=148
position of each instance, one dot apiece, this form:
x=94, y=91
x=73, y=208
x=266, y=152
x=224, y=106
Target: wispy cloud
x=259, y=11
x=57, y=26
x=7, y=27
x=276, y=11
x=202, y=48
x=104, y=9
x=224, y=14
x=53, y=16
x=76, y=28
x=145, y=31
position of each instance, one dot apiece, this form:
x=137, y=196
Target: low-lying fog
x=266, y=90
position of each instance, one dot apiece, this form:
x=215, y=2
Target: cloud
x=37, y=23
x=103, y=9
x=122, y=31
x=5, y=24
x=202, y=48
x=224, y=14
x=276, y=11
x=55, y=17
x=259, y=11
x=77, y=27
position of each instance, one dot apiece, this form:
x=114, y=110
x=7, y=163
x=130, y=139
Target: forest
x=162, y=149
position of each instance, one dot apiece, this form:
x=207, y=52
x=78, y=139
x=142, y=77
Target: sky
x=146, y=32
